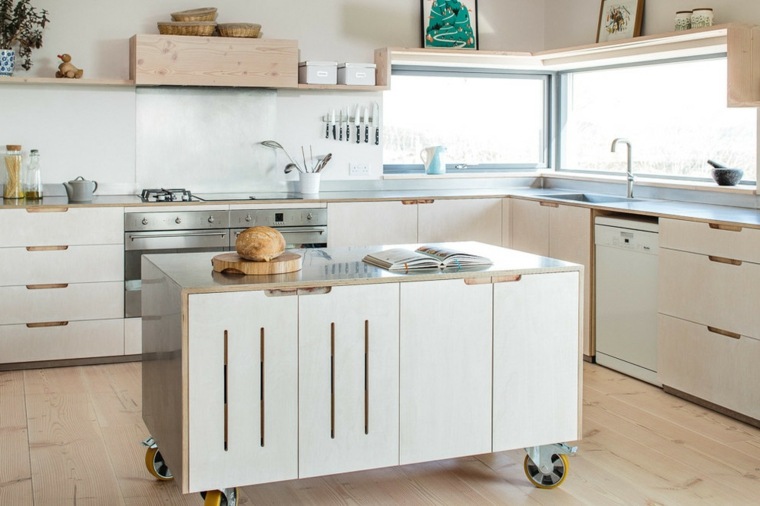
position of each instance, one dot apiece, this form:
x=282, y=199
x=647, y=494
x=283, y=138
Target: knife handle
x=348, y=132
x=377, y=136
x=340, y=133
x=366, y=134
x=358, y=134
x=335, y=136
x=327, y=130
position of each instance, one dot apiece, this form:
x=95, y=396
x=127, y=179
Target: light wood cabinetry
x=709, y=328
x=557, y=231
x=530, y=299
x=418, y=220
x=446, y=360
x=367, y=223
x=61, y=283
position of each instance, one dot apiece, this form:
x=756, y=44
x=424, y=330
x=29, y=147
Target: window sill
x=464, y=175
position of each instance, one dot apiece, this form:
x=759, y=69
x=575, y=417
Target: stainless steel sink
x=591, y=198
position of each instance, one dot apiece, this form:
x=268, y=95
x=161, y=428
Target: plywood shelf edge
x=66, y=82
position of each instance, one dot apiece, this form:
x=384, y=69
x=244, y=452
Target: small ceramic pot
x=7, y=62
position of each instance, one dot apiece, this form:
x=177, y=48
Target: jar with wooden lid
x=14, y=181
x=702, y=17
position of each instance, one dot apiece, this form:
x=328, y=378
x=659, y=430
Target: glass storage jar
x=14, y=181
x=33, y=186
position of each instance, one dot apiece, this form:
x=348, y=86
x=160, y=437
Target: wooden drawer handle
x=46, y=324
x=732, y=335
x=493, y=279
x=46, y=209
x=47, y=286
x=721, y=260
x=727, y=228
x=425, y=201
x=417, y=201
x=47, y=248
x=549, y=204
x=408, y=202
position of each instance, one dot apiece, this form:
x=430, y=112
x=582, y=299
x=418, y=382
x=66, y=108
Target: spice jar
x=683, y=20
x=702, y=17
x=14, y=188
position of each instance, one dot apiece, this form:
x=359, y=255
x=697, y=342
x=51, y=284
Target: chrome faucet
x=629, y=170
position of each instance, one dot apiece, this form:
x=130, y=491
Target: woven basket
x=202, y=28
x=251, y=30
x=203, y=14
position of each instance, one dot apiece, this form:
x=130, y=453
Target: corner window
x=487, y=120
x=674, y=114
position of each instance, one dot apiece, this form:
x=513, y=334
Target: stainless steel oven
x=204, y=231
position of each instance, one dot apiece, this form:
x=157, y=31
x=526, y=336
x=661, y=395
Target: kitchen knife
x=348, y=123
x=340, y=125
x=357, y=122
x=326, y=119
x=366, y=124
x=332, y=123
x=376, y=121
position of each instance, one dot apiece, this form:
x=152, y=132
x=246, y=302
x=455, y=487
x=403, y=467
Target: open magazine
x=424, y=257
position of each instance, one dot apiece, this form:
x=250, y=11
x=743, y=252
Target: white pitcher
x=434, y=159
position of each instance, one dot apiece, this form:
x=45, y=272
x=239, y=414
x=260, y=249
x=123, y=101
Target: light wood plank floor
x=71, y=436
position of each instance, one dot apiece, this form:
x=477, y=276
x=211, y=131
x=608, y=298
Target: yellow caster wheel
x=156, y=465
x=552, y=478
x=219, y=498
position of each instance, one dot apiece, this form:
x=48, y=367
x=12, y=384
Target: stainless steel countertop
x=322, y=267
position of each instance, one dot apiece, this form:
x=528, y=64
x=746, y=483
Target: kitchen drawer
x=727, y=241
x=711, y=292
x=713, y=367
x=61, y=264
x=94, y=338
x=84, y=301
x=54, y=226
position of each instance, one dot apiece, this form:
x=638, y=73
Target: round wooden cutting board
x=234, y=263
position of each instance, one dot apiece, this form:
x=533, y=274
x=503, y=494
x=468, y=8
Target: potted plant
x=20, y=25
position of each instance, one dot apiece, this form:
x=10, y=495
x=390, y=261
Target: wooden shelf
x=66, y=82
x=740, y=42
x=341, y=87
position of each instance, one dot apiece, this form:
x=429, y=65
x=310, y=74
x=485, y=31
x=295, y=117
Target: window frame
x=548, y=149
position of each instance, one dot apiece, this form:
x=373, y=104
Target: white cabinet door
x=460, y=220
x=536, y=349
x=445, y=363
x=61, y=226
x=371, y=223
x=242, y=389
x=348, y=379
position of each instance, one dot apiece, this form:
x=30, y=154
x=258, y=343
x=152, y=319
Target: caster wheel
x=552, y=479
x=156, y=465
x=219, y=498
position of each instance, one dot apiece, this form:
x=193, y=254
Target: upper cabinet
x=213, y=61
x=740, y=42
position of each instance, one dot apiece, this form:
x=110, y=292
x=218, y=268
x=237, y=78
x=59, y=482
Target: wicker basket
x=202, y=14
x=251, y=30
x=202, y=28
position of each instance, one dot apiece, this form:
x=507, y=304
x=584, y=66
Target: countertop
x=649, y=207
x=323, y=267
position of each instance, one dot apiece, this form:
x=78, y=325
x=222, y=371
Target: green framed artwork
x=450, y=24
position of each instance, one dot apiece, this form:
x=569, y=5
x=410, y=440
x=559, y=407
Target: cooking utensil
x=340, y=125
x=366, y=124
x=289, y=168
x=716, y=164
x=326, y=119
x=376, y=121
x=323, y=162
x=348, y=123
x=277, y=145
x=357, y=122
x=332, y=123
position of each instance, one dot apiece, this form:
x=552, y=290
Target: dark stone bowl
x=727, y=177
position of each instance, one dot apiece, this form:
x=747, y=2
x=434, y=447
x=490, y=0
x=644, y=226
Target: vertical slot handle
x=332, y=380
x=366, y=376
x=226, y=411
x=261, y=384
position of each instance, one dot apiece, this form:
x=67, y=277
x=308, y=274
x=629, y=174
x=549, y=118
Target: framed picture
x=619, y=19
x=450, y=24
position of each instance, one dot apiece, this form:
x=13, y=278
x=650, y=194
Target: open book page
x=424, y=257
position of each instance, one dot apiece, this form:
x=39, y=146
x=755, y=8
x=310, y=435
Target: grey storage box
x=356, y=73
x=318, y=72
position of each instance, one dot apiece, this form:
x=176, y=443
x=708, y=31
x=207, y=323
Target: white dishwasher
x=626, y=295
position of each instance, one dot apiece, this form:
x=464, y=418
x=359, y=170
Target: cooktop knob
x=145, y=221
x=248, y=218
x=309, y=216
x=211, y=219
x=178, y=220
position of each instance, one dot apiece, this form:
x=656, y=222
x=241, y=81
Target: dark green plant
x=21, y=24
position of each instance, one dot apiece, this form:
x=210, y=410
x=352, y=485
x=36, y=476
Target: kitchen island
x=343, y=366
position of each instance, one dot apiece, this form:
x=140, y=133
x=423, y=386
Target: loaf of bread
x=260, y=244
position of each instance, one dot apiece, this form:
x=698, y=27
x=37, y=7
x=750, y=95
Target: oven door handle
x=148, y=235
x=301, y=230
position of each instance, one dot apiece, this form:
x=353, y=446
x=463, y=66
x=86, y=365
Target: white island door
x=348, y=393
x=242, y=389
x=536, y=361
x=445, y=362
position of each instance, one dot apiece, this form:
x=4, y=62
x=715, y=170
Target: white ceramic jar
x=683, y=20
x=702, y=17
